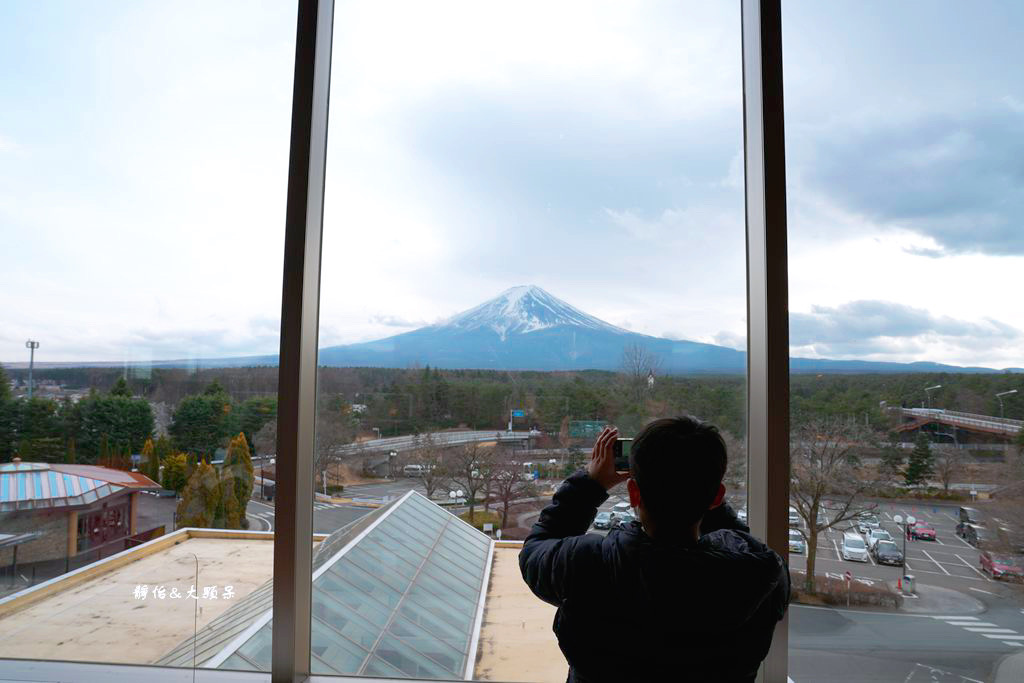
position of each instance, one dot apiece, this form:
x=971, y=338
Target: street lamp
x=911, y=521
x=31, y=346
x=1000, y=397
x=928, y=396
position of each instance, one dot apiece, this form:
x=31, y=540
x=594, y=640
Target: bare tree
x=640, y=365
x=467, y=468
x=509, y=482
x=265, y=440
x=948, y=464
x=825, y=479
x=429, y=455
x=333, y=429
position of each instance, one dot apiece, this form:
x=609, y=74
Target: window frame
x=767, y=318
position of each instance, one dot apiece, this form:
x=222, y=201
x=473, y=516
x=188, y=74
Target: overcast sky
x=593, y=149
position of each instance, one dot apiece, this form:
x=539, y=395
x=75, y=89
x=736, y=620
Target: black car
x=886, y=552
x=621, y=519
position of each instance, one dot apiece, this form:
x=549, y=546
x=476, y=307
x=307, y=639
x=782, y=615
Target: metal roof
x=399, y=594
x=40, y=485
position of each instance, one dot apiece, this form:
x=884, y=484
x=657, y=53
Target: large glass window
x=903, y=152
x=533, y=227
x=143, y=169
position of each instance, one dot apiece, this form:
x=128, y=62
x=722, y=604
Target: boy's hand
x=602, y=460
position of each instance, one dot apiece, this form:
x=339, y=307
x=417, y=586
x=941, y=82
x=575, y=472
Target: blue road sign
x=518, y=413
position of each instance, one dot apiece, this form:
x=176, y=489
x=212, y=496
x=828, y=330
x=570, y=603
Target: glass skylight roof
x=400, y=599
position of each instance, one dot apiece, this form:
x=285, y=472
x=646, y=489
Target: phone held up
x=621, y=451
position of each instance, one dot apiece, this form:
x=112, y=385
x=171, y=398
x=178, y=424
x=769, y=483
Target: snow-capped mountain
x=526, y=328
x=525, y=309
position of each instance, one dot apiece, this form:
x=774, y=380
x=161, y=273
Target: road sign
x=488, y=526
x=518, y=413
x=848, y=576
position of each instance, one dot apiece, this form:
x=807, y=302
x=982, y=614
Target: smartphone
x=621, y=450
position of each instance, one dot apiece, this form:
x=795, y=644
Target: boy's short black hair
x=678, y=464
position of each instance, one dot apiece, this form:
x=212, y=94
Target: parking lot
x=949, y=560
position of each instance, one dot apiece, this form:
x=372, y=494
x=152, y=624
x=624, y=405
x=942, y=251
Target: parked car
x=823, y=520
x=923, y=531
x=621, y=507
x=866, y=524
x=854, y=547
x=975, y=535
x=968, y=515
x=796, y=542
x=876, y=535
x=603, y=520
x=887, y=552
x=794, y=516
x=742, y=515
x=1002, y=566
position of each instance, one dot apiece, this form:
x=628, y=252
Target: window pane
x=143, y=183
x=903, y=148
x=533, y=228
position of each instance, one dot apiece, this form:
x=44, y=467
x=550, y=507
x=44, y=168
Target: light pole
x=928, y=395
x=899, y=522
x=31, y=346
x=1000, y=397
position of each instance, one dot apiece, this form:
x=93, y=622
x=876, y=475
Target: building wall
x=53, y=544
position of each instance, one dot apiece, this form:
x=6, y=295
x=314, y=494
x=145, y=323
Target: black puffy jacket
x=631, y=608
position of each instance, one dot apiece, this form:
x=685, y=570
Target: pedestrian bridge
x=987, y=424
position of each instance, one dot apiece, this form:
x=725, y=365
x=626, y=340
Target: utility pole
x=31, y=346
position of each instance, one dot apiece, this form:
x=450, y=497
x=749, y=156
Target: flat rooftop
x=516, y=641
x=100, y=619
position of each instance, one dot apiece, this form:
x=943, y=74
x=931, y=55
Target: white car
x=794, y=517
x=854, y=548
x=796, y=542
x=866, y=524
x=877, y=535
x=742, y=515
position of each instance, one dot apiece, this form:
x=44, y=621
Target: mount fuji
x=526, y=328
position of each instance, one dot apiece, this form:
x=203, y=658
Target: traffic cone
x=899, y=584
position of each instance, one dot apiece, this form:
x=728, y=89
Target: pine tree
x=120, y=388
x=920, y=464
x=237, y=469
x=69, y=455
x=201, y=499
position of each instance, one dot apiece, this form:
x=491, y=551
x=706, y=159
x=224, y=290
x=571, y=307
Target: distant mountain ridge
x=527, y=328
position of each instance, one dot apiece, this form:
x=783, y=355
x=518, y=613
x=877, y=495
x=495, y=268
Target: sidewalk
x=937, y=600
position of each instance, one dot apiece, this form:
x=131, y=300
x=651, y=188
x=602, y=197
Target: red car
x=922, y=532
x=1002, y=566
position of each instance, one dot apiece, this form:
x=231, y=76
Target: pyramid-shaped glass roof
x=399, y=595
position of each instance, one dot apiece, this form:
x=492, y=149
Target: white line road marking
x=936, y=562
x=989, y=630
x=963, y=541
x=938, y=541
x=1010, y=642
x=958, y=618
x=889, y=516
x=906, y=565
x=998, y=637
x=839, y=557
x=978, y=590
x=976, y=570
x=951, y=517
x=971, y=623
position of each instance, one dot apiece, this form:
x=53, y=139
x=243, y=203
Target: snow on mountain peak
x=524, y=309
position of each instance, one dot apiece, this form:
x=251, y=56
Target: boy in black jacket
x=683, y=593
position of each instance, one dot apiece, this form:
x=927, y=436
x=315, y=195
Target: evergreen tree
x=150, y=464
x=200, y=499
x=920, y=464
x=238, y=471
x=104, y=451
x=69, y=455
x=120, y=388
x=175, y=476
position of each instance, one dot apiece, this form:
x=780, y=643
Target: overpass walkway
x=968, y=421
